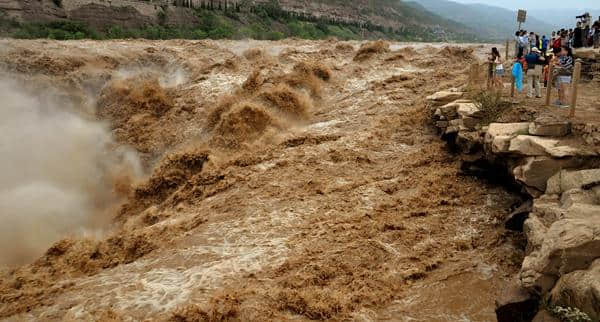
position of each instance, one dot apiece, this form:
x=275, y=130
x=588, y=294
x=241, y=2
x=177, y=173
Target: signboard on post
x=522, y=16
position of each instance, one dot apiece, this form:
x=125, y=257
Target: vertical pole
x=512, y=86
x=507, y=44
x=574, y=83
x=490, y=75
x=549, y=85
x=472, y=75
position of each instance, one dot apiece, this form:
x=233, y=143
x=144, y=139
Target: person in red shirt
x=521, y=59
x=556, y=43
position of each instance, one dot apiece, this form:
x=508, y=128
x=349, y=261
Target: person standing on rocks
x=535, y=64
x=532, y=42
x=564, y=39
x=586, y=34
x=518, y=47
x=519, y=68
x=496, y=68
x=545, y=43
x=556, y=42
x=563, y=73
x=578, y=35
x=596, y=28
x=570, y=37
x=525, y=43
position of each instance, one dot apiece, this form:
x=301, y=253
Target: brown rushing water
x=303, y=197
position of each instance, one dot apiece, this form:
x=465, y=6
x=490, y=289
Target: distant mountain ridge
x=389, y=13
x=563, y=18
x=495, y=22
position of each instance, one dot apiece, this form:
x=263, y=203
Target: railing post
x=490, y=75
x=507, y=44
x=574, y=85
x=473, y=75
x=512, y=85
x=549, y=84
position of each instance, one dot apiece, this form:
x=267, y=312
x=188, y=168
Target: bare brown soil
x=287, y=180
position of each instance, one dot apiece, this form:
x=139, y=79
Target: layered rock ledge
x=557, y=165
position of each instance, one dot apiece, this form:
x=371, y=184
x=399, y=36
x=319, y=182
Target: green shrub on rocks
x=491, y=105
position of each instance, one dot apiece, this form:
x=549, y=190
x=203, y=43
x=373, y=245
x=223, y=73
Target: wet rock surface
x=580, y=289
x=515, y=304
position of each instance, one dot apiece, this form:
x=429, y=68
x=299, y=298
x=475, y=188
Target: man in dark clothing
x=596, y=28
x=578, y=41
x=535, y=68
x=586, y=34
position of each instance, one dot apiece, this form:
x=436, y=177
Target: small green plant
x=569, y=314
x=274, y=35
x=490, y=103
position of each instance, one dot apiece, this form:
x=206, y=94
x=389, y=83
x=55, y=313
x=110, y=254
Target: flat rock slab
x=580, y=289
x=566, y=180
x=579, y=196
x=468, y=110
x=444, y=97
x=531, y=145
x=450, y=110
x=549, y=127
x=496, y=129
x=536, y=171
x=528, y=145
x=548, y=211
x=498, y=135
x=568, y=245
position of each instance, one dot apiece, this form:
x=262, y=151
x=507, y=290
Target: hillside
x=247, y=19
x=382, y=12
x=495, y=22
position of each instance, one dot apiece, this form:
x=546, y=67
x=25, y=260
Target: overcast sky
x=537, y=4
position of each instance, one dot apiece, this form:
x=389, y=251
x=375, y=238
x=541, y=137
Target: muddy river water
x=281, y=180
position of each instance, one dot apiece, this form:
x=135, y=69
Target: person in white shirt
x=525, y=43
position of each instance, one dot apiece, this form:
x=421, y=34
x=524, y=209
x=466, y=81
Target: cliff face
x=96, y=13
x=12, y=8
x=32, y=10
x=101, y=16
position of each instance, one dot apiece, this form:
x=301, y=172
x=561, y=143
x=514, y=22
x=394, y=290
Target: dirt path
x=355, y=211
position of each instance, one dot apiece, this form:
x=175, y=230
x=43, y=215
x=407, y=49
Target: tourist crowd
x=534, y=54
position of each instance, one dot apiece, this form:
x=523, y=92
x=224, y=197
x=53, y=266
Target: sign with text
x=521, y=16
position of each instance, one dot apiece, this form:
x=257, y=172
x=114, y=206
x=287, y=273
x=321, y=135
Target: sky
x=535, y=4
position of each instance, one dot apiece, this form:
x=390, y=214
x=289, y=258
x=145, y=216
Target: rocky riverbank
x=556, y=163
